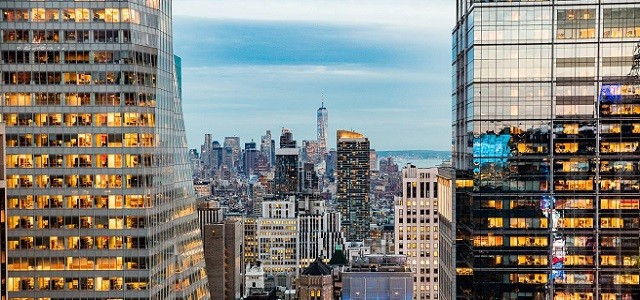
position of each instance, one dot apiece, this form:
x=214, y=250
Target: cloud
x=304, y=72
x=287, y=43
x=251, y=65
x=433, y=14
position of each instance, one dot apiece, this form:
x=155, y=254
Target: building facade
x=250, y=247
x=277, y=235
x=308, y=178
x=100, y=201
x=416, y=228
x=254, y=280
x=206, y=155
x=266, y=147
x=250, y=157
x=310, y=152
x=210, y=212
x=286, y=139
x=319, y=230
x=447, y=237
x=216, y=157
x=231, y=153
x=223, y=254
x=3, y=217
x=353, y=184
x=286, y=171
x=546, y=149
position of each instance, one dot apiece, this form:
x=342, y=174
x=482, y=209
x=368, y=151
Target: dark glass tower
x=100, y=200
x=286, y=166
x=3, y=218
x=546, y=134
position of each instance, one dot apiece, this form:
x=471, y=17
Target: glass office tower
x=100, y=202
x=546, y=123
x=3, y=218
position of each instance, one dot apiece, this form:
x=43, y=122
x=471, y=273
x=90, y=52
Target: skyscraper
x=266, y=147
x=3, y=217
x=250, y=158
x=216, y=156
x=286, y=167
x=322, y=128
x=286, y=139
x=546, y=150
x=353, y=179
x=231, y=153
x=416, y=228
x=206, y=154
x=100, y=199
x=286, y=171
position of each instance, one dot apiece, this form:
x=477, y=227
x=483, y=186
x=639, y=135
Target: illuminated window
x=494, y=222
x=487, y=241
x=527, y=241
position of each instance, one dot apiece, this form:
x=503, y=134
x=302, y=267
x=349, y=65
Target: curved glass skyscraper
x=100, y=202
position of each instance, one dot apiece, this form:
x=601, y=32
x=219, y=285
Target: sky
x=383, y=69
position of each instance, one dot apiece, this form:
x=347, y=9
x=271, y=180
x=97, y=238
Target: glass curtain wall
x=546, y=128
x=100, y=202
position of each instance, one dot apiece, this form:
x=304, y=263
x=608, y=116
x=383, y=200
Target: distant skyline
x=252, y=65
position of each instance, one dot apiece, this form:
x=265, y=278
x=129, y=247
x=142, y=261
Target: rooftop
x=317, y=268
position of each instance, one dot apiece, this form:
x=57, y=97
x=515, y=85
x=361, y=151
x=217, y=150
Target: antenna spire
x=322, y=99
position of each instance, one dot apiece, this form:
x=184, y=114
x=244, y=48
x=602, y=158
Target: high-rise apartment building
x=416, y=228
x=100, y=201
x=546, y=154
x=323, y=130
x=353, y=178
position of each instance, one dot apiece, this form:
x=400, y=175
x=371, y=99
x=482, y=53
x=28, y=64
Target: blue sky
x=252, y=65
